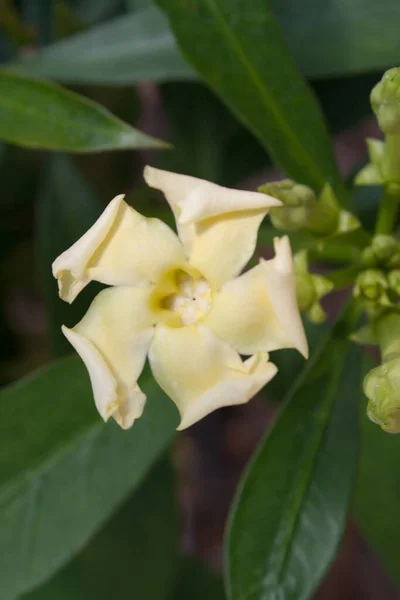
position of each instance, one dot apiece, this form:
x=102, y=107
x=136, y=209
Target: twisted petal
x=201, y=373
x=121, y=248
x=258, y=310
x=112, y=339
x=217, y=226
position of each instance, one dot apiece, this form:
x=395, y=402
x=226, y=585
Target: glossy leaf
x=291, y=508
x=40, y=114
x=241, y=54
x=63, y=471
x=377, y=498
x=66, y=208
x=123, y=50
x=120, y=561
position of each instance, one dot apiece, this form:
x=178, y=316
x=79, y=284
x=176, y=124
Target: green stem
x=391, y=157
x=336, y=253
x=388, y=210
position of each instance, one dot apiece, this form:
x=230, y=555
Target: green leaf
x=40, y=114
x=124, y=50
x=208, y=141
x=377, y=498
x=241, y=54
x=341, y=37
x=63, y=471
x=348, y=36
x=291, y=364
x=201, y=128
x=66, y=208
x=196, y=582
x=140, y=540
x=292, y=504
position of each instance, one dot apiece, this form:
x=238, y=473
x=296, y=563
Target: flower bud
x=384, y=246
x=298, y=204
x=372, y=288
x=382, y=250
x=382, y=388
x=310, y=289
x=370, y=284
x=382, y=384
x=300, y=209
x=385, y=101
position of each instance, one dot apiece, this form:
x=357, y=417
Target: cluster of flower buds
x=382, y=384
x=301, y=209
x=378, y=286
x=321, y=217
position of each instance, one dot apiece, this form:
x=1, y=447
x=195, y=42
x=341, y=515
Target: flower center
x=191, y=299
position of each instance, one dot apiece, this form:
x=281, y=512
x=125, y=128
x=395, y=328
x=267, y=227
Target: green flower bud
x=372, y=288
x=382, y=388
x=300, y=209
x=384, y=246
x=298, y=204
x=382, y=250
x=382, y=384
x=385, y=101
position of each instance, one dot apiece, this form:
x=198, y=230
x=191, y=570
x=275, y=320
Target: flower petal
x=121, y=248
x=113, y=339
x=201, y=373
x=217, y=226
x=193, y=199
x=223, y=245
x=281, y=284
x=258, y=310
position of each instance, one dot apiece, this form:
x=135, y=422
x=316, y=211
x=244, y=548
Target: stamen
x=192, y=300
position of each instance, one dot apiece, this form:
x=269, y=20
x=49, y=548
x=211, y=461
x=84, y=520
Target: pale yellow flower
x=181, y=301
